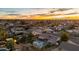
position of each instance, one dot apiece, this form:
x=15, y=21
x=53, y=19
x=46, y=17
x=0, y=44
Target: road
x=71, y=46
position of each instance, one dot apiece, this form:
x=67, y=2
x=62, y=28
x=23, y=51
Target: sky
x=39, y=13
x=32, y=11
x=22, y=11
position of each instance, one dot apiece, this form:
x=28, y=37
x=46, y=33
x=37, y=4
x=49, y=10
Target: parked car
x=4, y=49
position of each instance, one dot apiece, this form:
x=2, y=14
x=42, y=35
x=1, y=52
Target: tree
x=3, y=34
x=10, y=44
x=21, y=39
x=30, y=38
x=71, y=26
x=64, y=36
x=54, y=24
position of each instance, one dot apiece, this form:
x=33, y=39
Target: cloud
x=45, y=13
x=32, y=11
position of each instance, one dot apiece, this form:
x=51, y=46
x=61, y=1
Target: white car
x=4, y=49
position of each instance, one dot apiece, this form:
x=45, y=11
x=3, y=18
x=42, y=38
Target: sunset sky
x=39, y=13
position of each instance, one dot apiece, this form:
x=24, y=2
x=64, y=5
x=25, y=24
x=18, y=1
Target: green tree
x=54, y=24
x=30, y=38
x=71, y=26
x=3, y=34
x=10, y=45
x=64, y=36
x=21, y=40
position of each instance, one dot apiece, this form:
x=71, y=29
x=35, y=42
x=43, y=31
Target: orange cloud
x=35, y=17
